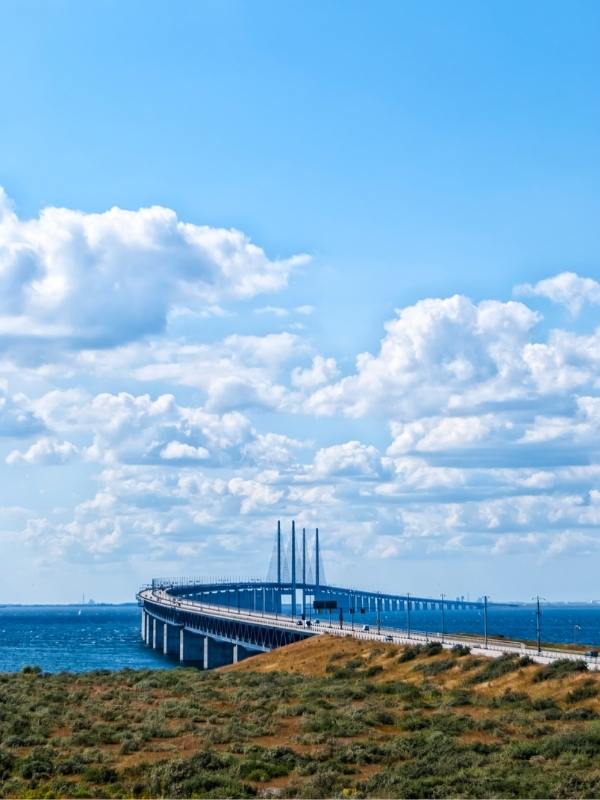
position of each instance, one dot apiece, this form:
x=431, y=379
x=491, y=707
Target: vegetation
x=322, y=718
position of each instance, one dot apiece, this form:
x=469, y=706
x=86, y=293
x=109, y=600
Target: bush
x=7, y=761
x=495, y=668
x=461, y=650
x=100, y=774
x=436, y=667
x=582, y=692
x=560, y=668
x=32, y=670
x=35, y=767
x=409, y=654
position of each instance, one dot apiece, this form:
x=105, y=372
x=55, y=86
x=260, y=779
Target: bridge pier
x=190, y=648
x=240, y=653
x=217, y=653
x=143, y=623
x=147, y=630
x=170, y=639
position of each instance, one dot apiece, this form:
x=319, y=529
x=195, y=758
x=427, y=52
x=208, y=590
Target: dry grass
x=323, y=717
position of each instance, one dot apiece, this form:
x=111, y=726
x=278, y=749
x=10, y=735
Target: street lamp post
x=485, y=619
x=538, y=622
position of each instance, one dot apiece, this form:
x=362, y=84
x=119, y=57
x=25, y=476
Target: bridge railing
x=200, y=581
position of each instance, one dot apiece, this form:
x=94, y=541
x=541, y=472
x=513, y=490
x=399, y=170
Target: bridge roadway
x=210, y=635
x=267, y=595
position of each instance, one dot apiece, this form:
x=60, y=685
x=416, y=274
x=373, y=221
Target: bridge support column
x=170, y=639
x=148, y=628
x=240, y=653
x=144, y=624
x=154, y=624
x=217, y=653
x=190, y=648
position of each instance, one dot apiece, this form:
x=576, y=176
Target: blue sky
x=324, y=180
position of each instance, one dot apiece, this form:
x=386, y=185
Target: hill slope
x=324, y=717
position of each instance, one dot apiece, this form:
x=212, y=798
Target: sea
x=93, y=637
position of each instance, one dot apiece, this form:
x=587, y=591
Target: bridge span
x=209, y=635
x=216, y=621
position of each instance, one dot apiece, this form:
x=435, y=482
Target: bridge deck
x=273, y=630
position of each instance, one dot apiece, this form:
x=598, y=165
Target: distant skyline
x=330, y=262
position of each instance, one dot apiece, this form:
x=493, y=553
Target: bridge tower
x=293, y=568
x=317, y=558
x=278, y=551
x=304, y=572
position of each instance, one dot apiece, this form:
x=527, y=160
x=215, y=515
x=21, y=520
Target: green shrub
x=436, y=667
x=582, y=713
x=32, y=670
x=460, y=650
x=495, y=668
x=582, y=692
x=409, y=654
x=100, y=774
x=7, y=761
x=560, y=668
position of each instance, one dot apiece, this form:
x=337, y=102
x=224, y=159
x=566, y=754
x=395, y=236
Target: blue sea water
x=108, y=637
x=59, y=638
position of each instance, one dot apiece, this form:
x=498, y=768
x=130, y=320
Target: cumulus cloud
x=322, y=370
x=351, y=458
x=180, y=451
x=492, y=443
x=45, y=451
x=435, y=434
x=567, y=289
x=101, y=279
x=17, y=418
x=239, y=372
x=434, y=354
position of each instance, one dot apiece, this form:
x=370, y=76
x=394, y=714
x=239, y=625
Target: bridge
x=211, y=622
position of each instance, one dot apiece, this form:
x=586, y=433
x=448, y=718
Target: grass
x=323, y=718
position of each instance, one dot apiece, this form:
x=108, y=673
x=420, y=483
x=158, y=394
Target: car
x=317, y=622
x=308, y=623
x=298, y=622
x=365, y=628
x=388, y=639
x=592, y=654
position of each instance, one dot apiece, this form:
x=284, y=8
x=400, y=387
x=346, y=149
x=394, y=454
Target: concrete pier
x=171, y=635
x=217, y=653
x=191, y=649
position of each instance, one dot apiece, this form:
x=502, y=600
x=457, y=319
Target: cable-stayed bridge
x=213, y=621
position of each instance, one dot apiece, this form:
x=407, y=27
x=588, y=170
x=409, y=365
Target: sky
x=323, y=261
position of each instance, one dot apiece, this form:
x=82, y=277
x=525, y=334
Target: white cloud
x=179, y=451
x=493, y=443
x=567, y=289
x=45, y=451
x=17, y=418
x=437, y=434
x=433, y=353
x=323, y=370
x=351, y=458
x=85, y=280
